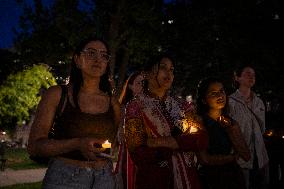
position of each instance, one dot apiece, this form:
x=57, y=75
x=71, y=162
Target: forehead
x=248, y=70
x=98, y=45
x=166, y=61
x=138, y=78
x=215, y=86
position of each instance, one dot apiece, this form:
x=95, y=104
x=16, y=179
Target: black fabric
x=227, y=176
x=219, y=141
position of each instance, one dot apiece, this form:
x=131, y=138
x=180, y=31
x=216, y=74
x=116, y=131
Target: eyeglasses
x=93, y=54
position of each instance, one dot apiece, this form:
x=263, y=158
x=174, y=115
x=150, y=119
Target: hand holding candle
x=225, y=121
x=108, y=152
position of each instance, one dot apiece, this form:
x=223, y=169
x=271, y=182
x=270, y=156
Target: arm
x=117, y=110
x=207, y=159
x=136, y=140
x=40, y=145
x=193, y=138
x=236, y=137
x=238, y=141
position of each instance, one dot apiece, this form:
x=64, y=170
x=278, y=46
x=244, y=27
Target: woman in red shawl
x=163, y=132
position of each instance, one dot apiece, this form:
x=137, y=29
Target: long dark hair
x=76, y=78
x=127, y=93
x=154, y=60
x=201, y=92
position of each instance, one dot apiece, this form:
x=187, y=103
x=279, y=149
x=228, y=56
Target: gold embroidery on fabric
x=134, y=133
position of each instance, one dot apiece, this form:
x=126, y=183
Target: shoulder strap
x=251, y=111
x=61, y=102
x=52, y=131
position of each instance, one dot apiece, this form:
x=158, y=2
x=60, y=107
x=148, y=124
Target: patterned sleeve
x=136, y=138
x=134, y=131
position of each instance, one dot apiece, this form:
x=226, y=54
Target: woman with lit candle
x=90, y=116
x=218, y=163
x=159, y=142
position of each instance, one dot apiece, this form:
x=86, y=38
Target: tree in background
x=211, y=38
x=19, y=94
x=133, y=30
x=49, y=34
x=208, y=37
x=9, y=64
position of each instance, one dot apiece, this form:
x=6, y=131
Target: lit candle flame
x=193, y=129
x=191, y=126
x=185, y=125
x=106, y=144
x=270, y=133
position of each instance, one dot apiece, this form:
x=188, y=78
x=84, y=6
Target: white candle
x=106, y=144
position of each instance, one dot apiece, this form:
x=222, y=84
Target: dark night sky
x=9, y=14
x=10, y=11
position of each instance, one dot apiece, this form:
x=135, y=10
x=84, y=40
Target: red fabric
x=130, y=172
x=161, y=168
x=193, y=142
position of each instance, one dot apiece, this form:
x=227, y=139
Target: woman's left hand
x=225, y=122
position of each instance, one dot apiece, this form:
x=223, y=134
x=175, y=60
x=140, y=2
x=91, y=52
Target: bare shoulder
x=52, y=95
x=45, y=112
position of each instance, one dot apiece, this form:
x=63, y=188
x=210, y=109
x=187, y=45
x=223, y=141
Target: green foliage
x=18, y=159
x=36, y=185
x=20, y=93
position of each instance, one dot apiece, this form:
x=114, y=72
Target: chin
x=220, y=106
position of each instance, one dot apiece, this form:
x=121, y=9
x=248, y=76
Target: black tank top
x=73, y=123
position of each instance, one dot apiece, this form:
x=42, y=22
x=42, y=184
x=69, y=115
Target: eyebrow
x=162, y=63
x=100, y=50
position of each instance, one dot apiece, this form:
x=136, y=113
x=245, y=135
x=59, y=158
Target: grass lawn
x=36, y=185
x=18, y=159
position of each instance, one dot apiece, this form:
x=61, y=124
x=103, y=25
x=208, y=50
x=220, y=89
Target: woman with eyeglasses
x=162, y=132
x=218, y=163
x=89, y=116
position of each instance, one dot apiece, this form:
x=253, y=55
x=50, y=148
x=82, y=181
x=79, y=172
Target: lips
x=96, y=66
x=220, y=101
x=167, y=80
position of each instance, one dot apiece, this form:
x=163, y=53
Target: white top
x=252, y=127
